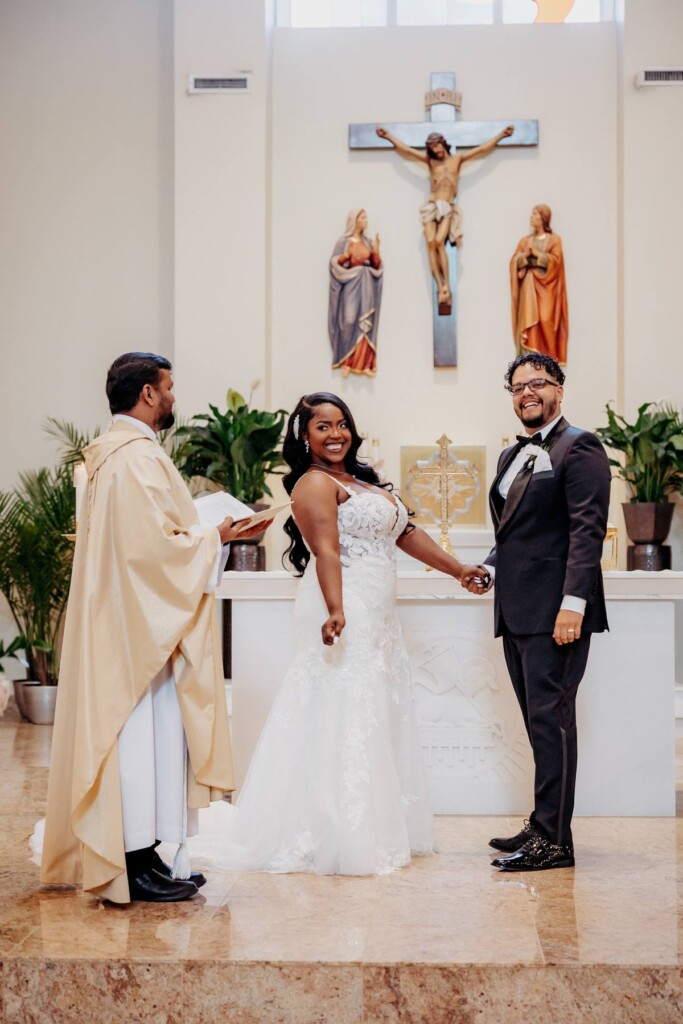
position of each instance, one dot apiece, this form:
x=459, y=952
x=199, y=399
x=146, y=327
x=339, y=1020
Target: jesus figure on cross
x=440, y=215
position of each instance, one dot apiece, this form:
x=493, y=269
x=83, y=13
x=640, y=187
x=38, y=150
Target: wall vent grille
x=239, y=82
x=659, y=76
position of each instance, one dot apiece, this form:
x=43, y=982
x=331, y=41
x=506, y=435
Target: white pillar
x=221, y=186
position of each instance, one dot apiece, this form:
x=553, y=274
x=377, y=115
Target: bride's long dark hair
x=299, y=461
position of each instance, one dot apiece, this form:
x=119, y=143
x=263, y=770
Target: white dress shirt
x=569, y=603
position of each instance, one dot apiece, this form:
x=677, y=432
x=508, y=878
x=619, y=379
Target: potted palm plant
x=35, y=571
x=236, y=451
x=652, y=467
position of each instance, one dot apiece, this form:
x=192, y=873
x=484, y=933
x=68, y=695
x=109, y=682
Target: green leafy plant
x=35, y=564
x=652, y=447
x=10, y=651
x=70, y=439
x=236, y=449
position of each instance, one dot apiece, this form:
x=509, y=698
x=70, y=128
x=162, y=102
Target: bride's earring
x=307, y=447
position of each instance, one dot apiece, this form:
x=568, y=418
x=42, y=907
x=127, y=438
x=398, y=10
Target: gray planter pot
x=39, y=702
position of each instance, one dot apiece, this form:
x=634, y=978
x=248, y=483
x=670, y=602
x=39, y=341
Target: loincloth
x=438, y=209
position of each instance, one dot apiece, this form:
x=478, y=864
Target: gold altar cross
x=437, y=476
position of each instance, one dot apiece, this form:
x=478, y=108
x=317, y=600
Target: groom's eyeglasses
x=537, y=384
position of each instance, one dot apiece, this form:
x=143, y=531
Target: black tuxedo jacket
x=549, y=535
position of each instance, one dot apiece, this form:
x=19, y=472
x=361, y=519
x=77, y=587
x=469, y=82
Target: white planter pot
x=39, y=702
x=19, y=697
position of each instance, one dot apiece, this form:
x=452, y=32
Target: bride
x=337, y=782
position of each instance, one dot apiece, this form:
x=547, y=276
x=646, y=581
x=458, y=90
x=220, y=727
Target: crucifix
x=443, y=484
x=440, y=216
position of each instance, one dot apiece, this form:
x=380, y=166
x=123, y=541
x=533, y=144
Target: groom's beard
x=543, y=414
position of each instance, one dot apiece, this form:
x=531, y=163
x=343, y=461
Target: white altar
x=476, y=751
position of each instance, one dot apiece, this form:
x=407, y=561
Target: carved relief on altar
x=470, y=724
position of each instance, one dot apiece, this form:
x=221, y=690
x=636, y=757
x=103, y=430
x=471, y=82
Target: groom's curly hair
x=539, y=361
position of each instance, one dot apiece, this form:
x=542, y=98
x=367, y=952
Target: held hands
x=567, y=627
x=375, y=244
x=241, y=530
x=475, y=579
x=332, y=628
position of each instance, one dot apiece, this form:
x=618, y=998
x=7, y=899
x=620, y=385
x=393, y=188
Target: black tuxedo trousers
x=545, y=677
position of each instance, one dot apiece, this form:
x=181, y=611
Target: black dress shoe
x=514, y=842
x=538, y=854
x=195, y=876
x=153, y=887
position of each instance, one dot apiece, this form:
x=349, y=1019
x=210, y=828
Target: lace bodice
x=369, y=524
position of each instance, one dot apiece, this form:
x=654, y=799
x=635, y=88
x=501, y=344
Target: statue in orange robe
x=540, y=320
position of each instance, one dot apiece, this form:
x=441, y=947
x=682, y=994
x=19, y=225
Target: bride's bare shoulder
x=315, y=488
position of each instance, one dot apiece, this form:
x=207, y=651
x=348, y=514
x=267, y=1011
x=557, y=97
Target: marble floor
x=448, y=940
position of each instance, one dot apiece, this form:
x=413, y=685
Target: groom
x=549, y=504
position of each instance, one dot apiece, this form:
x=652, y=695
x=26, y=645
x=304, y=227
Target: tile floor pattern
x=446, y=941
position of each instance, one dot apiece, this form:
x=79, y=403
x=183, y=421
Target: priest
x=141, y=735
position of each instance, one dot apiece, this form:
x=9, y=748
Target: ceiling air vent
x=239, y=82
x=659, y=76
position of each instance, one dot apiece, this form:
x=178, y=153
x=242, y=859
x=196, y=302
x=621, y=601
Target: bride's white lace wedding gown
x=337, y=785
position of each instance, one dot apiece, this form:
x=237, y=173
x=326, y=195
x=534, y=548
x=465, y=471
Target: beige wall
x=86, y=178
x=221, y=232
x=652, y=353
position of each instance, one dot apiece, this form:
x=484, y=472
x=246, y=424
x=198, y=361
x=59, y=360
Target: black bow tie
x=536, y=438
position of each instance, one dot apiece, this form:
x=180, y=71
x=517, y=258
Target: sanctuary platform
x=446, y=941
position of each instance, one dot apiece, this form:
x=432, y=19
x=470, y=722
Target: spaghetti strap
x=329, y=475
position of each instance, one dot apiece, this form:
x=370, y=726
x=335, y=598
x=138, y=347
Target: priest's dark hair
x=539, y=361
x=299, y=461
x=127, y=376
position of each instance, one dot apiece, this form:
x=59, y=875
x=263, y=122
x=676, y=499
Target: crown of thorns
x=435, y=137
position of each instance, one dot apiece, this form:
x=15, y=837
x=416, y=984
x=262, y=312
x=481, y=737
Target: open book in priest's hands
x=212, y=509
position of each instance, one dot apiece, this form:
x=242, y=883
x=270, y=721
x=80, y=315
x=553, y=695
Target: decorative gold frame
x=475, y=517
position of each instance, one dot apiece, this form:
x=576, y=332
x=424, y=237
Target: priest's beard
x=167, y=421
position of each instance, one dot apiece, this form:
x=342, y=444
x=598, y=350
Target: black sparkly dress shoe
x=537, y=854
x=195, y=876
x=153, y=887
x=513, y=843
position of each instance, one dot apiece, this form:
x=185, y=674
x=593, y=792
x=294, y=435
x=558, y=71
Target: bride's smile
x=329, y=436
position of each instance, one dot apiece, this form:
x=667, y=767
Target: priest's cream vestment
x=137, y=611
